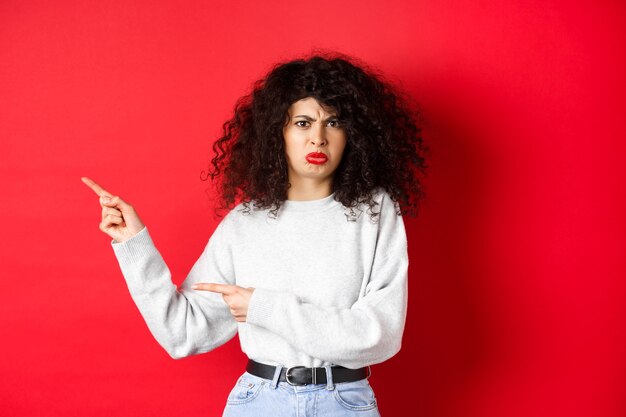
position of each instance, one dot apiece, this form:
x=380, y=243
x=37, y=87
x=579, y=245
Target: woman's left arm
x=368, y=332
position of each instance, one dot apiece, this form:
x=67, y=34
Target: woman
x=309, y=265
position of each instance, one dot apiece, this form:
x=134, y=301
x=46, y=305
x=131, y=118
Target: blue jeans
x=257, y=397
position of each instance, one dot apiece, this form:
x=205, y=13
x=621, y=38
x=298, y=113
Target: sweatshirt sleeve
x=184, y=321
x=370, y=331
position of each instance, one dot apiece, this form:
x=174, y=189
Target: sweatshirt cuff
x=263, y=306
x=137, y=247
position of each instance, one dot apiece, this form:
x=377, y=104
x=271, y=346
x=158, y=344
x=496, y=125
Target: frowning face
x=314, y=141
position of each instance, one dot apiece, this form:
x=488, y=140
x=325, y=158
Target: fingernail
x=195, y=286
x=106, y=199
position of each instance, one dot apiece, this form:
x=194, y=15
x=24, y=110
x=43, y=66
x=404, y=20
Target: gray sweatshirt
x=330, y=286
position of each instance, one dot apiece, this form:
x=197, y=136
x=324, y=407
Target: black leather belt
x=299, y=375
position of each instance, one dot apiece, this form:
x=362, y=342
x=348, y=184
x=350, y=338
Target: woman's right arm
x=184, y=322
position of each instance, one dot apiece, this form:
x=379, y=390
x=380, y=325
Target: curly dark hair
x=384, y=147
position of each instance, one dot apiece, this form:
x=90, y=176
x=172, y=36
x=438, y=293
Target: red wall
x=517, y=291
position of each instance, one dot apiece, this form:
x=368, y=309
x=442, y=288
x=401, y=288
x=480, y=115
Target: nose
x=318, y=136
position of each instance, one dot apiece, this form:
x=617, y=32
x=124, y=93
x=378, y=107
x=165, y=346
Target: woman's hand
x=119, y=219
x=235, y=296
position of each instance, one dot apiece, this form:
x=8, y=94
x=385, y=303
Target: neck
x=309, y=189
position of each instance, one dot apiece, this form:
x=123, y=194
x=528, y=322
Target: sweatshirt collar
x=311, y=205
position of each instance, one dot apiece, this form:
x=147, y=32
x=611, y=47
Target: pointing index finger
x=95, y=187
x=219, y=288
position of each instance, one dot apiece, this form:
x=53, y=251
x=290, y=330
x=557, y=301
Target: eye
x=301, y=121
x=335, y=121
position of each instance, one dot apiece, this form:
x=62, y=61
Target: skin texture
x=119, y=219
x=311, y=128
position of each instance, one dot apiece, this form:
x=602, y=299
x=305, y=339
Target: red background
x=517, y=289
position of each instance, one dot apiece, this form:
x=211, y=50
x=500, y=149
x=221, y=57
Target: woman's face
x=314, y=141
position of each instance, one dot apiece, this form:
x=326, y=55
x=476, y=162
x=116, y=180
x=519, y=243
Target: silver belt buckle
x=288, y=374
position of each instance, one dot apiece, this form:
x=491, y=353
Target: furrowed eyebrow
x=310, y=119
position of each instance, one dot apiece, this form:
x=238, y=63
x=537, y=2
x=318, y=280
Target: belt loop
x=277, y=371
x=329, y=378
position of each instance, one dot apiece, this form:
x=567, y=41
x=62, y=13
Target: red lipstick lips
x=316, y=158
